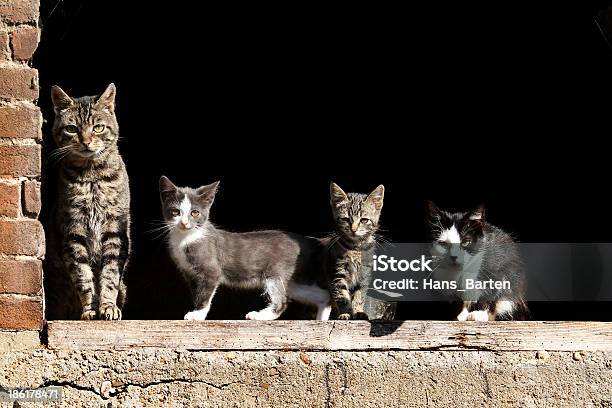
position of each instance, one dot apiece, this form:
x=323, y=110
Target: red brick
x=21, y=276
x=9, y=199
x=19, y=160
x=22, y=237
x=19, y=11
x=31, y=198
x=5, y=53
x=21, y=313
x=19, y=82
x=24, y=41
x=20, y=121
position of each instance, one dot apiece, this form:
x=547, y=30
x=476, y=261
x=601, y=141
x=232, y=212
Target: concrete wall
x=157, y=377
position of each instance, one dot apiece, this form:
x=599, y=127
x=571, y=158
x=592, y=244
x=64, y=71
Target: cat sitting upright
x=350, y=250
x=466, y=247
x=207, y=256
x=88, y=233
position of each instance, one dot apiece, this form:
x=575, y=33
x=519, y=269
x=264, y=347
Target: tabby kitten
x=465, y=246
x=89, y=233
x=277, y=261
x=349, y=262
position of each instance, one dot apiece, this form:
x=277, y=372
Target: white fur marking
x=178, y=240
x=464, y=313
x=478, y=316
x=264, y=314
x=202, y=313
x=323, y=313
x=450, y=235
x=197, y=314
x=503, y=307
x=185, y=210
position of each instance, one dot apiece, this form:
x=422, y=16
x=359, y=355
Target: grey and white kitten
x=465, y=246
x=277, y=262
x=349, y=258
x=89, y=232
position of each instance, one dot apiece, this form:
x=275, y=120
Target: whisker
x=334, y=239
x=57, y=155
x=160, y=234
x=162, y=228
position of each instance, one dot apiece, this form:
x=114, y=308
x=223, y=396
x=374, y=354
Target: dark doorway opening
x=498, y=105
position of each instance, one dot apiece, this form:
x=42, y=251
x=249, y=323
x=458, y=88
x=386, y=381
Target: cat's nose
x=454, y=258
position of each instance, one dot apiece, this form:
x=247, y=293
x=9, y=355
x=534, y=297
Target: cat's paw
x=110, y=311
x=344, y=316
x=253, y=316
x=196, y=315
x=262, y=315
x=89, y=315
x=478, y=316
x=360, y=316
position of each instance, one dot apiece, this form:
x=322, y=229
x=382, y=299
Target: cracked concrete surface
x=150, y=377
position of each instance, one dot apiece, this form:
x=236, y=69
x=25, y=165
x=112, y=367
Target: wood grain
x=332, y=335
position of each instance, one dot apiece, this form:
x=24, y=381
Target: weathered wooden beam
x=332, y=335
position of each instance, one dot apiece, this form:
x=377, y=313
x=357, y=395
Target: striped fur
x=351, y=249
x=89, y=233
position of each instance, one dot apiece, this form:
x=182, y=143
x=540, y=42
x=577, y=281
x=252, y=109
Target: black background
x=506, y=105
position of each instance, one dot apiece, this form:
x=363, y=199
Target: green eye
x=175, y=212
x=71, y=129
x=99, y=128
x=467, y=242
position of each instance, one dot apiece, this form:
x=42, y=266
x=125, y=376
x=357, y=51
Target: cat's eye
x=71, y=129
x=175, y=212
x=195, y=213
x=443, y=244
x=365, y=221
x=345, y=219
x=99, y=128
x=466, y=242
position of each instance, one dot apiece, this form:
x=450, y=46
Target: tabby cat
x=465, y=246
x=349, y=258
x=88, y=234
x=276, y=261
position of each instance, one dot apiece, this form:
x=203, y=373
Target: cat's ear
x=377, y=196
x=166, y=188
x=107, y=99
x=432, y=209
x=338, y=196
x=478, y=214
x=60, y=99
x=166, y=185
x=206, y=194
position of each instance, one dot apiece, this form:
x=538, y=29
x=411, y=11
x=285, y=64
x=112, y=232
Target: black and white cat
x=467, y=249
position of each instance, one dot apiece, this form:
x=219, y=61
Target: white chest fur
x=178, y=241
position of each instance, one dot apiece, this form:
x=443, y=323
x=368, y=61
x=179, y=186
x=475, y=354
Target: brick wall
x=21, y=235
